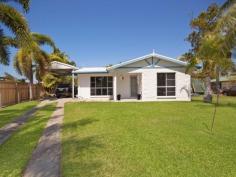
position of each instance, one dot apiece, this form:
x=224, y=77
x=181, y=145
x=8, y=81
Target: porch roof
x=61, y=68
x=88, y=70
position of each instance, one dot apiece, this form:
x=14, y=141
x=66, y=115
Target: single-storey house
x=151, y=77
x=226, y=82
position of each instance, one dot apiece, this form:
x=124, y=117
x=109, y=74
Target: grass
x=10, y=113
x=149, y=139
x=16, y=152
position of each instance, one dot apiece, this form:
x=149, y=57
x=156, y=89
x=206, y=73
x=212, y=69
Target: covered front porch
x=127, y=86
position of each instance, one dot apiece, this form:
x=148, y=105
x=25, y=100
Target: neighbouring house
x=198, y=86
x=151, y=77
x=226, y=82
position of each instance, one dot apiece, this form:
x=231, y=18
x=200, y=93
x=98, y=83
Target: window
x=101, y=86
x=166, y=84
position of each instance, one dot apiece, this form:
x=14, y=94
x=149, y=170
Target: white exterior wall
x=84, y=88
x=149, y=86
x=124, y=85
x=147, y=79
x=183, y=87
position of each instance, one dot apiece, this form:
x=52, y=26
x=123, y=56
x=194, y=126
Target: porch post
x=77, y=78
x=114, y=87
x=73, y=84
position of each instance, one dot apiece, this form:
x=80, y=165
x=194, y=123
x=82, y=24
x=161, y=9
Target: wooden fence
x=13, y=93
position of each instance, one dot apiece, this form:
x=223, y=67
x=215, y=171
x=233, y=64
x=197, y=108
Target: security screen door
x=134, y=86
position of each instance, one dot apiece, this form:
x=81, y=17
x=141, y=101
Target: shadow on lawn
x=80, y=123
x=83, y=162
x=227, y=104
x=7, y=113
x=86, y=121
x=37, y=119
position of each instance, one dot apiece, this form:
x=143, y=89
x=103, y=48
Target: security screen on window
x=101, y=86
x=166, y=84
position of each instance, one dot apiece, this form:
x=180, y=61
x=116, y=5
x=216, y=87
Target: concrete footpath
x=10, y=128
x=45, y=160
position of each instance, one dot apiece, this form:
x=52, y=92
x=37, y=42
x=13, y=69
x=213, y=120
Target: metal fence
x=13, y=92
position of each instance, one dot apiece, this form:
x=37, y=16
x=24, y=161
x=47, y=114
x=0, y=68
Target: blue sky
x=98, y=33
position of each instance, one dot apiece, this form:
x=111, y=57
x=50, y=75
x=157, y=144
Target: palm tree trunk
x=208, y=91
x=31, y=91
x=218, y=95
x=31, y=84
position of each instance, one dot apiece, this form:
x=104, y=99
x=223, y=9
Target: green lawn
x=9, y=113
x=16, y=152
x=149, y=139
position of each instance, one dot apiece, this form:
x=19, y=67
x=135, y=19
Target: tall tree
x=51, y=79
x=16, y=22
x=203, y=24
x=32, y=59
x=60, y=56
x=218, y=44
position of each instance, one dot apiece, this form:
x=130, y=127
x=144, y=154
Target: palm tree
x=32, y=60
x=202, y=24
x=219, y=43
x=227, y=4
x=51, y=79
x=212, y=40
x=216, y=45
x=16, y=22
x=60, y=56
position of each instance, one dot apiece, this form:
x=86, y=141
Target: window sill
x=101, y=96
x=166, y=97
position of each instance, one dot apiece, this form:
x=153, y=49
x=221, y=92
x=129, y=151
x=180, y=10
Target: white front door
x=133, y=86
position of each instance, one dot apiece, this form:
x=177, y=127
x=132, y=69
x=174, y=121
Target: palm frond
x=9, y=41
x=41, y=60
x=50, y=81
x=16, y=22
x=23, y=63
x=16, y=63
x=42, y=39
x=4, y=53
x=226, y=27
x=227, y=4
x=24, y=3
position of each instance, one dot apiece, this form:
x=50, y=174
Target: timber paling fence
x=14, y=92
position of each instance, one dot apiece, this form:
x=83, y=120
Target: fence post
x=1, y=95
x=0, y=99
x=18, y=93
x=36, y=91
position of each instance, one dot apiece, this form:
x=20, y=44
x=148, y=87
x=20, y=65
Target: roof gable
x=153, y=55
x=151, y=60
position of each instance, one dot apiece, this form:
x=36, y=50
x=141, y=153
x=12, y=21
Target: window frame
x=108, y=87
x=166, y=86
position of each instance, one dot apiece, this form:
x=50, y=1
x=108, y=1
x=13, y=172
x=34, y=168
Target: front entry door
x=134, y=86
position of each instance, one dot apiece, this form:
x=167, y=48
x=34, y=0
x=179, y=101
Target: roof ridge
x=146, y=56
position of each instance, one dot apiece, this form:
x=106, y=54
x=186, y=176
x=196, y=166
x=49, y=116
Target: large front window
x=166, y=84
x=101, y=86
